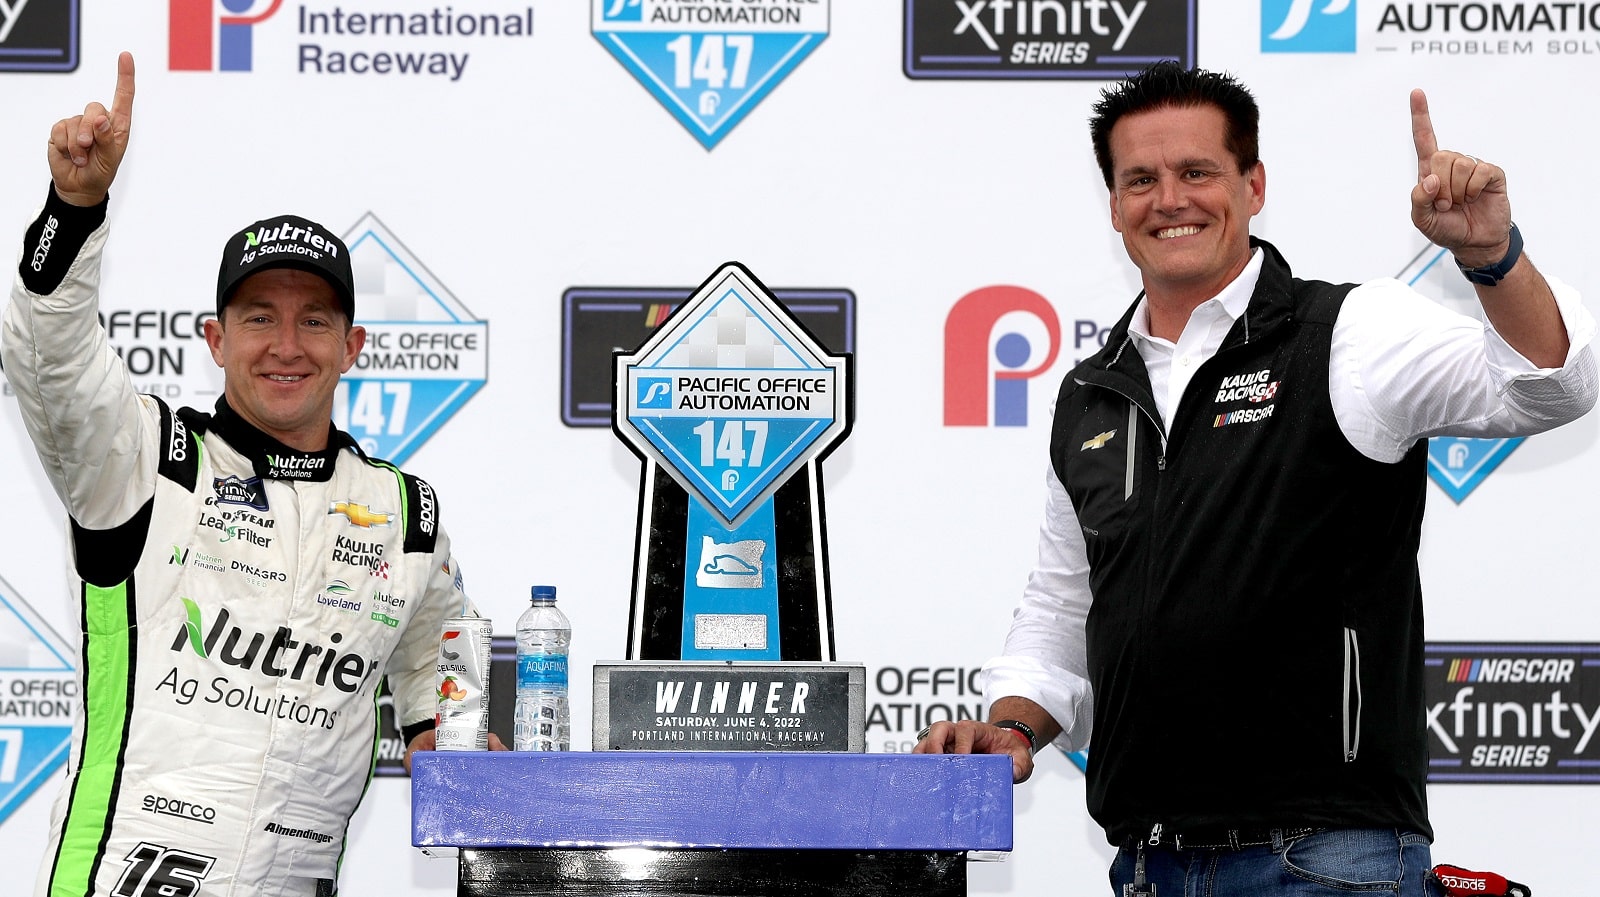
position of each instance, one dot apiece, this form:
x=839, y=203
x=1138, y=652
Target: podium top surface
x=701, y=799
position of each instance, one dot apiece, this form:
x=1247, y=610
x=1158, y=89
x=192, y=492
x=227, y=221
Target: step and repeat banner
x=528, y=186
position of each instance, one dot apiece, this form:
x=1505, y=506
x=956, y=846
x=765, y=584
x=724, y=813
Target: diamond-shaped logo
x=709, y=64
x=732, y=395
x=1457, y=464
x=426, y=354
x=37, y=675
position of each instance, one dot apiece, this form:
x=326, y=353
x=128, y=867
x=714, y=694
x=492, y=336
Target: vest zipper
x=1352, y=690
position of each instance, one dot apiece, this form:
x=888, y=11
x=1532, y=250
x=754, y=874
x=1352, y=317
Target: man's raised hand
x=86, y=150
x=1459, y=202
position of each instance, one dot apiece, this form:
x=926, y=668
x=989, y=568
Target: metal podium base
x=657, y=872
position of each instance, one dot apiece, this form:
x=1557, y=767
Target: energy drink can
x=462, y=721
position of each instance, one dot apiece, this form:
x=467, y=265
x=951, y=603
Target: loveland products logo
x=1029, y=39
x=39, y=35
x=598, y=321
x=38, y=691
x=1457, y=465
x=221, y=35
x=1308, y=26
x=710, y=62
x=1523, y=712
x=426, y=353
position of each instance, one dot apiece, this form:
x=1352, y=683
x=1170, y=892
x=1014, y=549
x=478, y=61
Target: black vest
x=1255, y=640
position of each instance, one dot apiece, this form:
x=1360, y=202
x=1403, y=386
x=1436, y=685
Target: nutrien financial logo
x=39, y=35
x=214, y=35
x=1308, y=26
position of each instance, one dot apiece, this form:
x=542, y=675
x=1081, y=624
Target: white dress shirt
x=1401, y=368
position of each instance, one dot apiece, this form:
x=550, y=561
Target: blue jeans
x=1331, y=863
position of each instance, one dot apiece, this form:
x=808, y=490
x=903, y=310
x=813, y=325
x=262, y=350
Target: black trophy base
x=651, y=872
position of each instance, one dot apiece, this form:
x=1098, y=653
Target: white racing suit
x=239, y=601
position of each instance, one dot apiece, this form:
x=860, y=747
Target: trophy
x=732, y=405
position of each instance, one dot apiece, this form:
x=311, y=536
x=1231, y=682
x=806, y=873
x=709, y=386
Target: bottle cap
x=546, y=592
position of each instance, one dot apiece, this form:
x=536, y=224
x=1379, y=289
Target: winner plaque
x=732, y=405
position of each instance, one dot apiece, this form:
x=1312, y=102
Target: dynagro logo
x=214, y=35
x=1308, y=26
x=996, y=339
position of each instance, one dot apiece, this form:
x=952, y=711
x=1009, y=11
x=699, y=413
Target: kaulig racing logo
x=282, y=656
x=426, y=353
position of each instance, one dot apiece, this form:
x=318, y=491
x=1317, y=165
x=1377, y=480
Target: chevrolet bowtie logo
x=359, y=515
x=1098, y=442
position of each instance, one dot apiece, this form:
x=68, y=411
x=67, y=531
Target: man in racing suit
x=245, y=578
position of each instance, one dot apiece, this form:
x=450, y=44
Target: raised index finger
x=122, y=100
x=1422, y=133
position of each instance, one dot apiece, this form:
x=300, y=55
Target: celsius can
x=462, y=722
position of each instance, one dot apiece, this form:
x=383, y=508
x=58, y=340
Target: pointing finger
x=1422, y=133
x=122, y=100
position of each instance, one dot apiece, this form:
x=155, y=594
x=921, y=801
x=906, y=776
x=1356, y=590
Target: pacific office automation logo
x=39, y=35
x=996, y=339
x=597, y=321
x=1458, y=465
x=426, y=352
x=710, y=64
x=1308, y=26
x=40, y=689
x=214, y=35
x=1028, y=39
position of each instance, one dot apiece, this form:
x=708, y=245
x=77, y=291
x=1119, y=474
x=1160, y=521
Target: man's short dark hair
x=1168, y=84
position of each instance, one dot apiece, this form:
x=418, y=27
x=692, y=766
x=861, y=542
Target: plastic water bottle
x=543, y=717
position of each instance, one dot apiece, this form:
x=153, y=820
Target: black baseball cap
x=287, y=241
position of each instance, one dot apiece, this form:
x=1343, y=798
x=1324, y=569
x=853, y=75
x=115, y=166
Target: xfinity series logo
x=1308, y=26
x=1523, y=712
x=39, y=36
x=1021, y=39
x=231, y=490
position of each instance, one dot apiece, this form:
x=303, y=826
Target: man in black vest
x=1227, y=590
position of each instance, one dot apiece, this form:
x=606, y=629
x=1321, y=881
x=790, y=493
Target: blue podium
x=705, y=824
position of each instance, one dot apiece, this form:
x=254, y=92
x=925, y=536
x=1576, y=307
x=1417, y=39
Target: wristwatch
x=1490, y=275
x=1021, y=728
